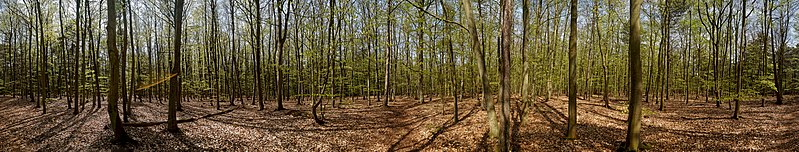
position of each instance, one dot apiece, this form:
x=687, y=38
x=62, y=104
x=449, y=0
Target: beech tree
x=507, y=24
x=571, y=133
x=633, y=140
x=113, y=94
x=175, y=83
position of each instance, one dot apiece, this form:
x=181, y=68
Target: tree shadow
x=550, y=114
x=483, y=144
x=395, y=145
x=590, y=137
x=189, y=142
x=59, y=128
x=705, y=118
x=598, y=105
x=792, y=141
x=447, y=125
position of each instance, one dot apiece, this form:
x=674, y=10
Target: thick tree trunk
x=116, y=124
x=633, y=139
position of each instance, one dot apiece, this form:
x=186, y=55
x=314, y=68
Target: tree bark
x=572, y=126
x=477, y=49
x=113, y=94
x=633, y=139
x=387, y=85
x=506, y=29
x=175, y=83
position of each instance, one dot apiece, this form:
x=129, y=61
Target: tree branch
x=435, y=16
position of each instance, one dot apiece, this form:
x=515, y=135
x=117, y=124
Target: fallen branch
x=148, y=124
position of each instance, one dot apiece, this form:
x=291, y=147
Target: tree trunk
x=477, y=49
x=234, y=51
x=175, y=83
x=387, y=81
x=633, y=139
x=116, y=124
x=667, y=45
x=523, y=50
x=44, y=71
x=735, y=114
x=572, y=126
x=123, y=64
x=281, y=40
x=451, y=54
x=506, y=29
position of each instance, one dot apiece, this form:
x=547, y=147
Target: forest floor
x=406, y=125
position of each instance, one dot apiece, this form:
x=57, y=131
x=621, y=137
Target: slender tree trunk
x=477, y=49
x=572, y=126
x=742, y=55
x=95, y=54
x=281, y=40
x=44, y=91
x=175, y=83
x=420, y=56
x=523, y=50
x=234, y=55
x=124, y=62
x=387, y=81
x=506, y=29
x=453, y=72
x=257, y=52
x=667, y=45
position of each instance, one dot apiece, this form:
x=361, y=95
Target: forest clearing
x=406, y=125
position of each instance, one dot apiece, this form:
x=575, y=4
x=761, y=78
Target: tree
x=257, y=52
x=597, y=26
x=633, y=140
x=420, y=87
x=740, y=60
x=123, y=66
x=713, y=27
x=113, y=94
x=507, y=24
x=452, y=71
x=572, y=126
x=175, y=83
x=281, y=34
x=234, y=51
x=666, y=52
x=477, y=50
x=387, y=85
x=779, y=59
x=44, y=91
x=95, y=54
x=525, y=39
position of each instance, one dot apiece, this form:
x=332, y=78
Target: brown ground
x=406, y=126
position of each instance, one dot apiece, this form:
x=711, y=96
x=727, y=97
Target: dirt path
x=404, y=126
